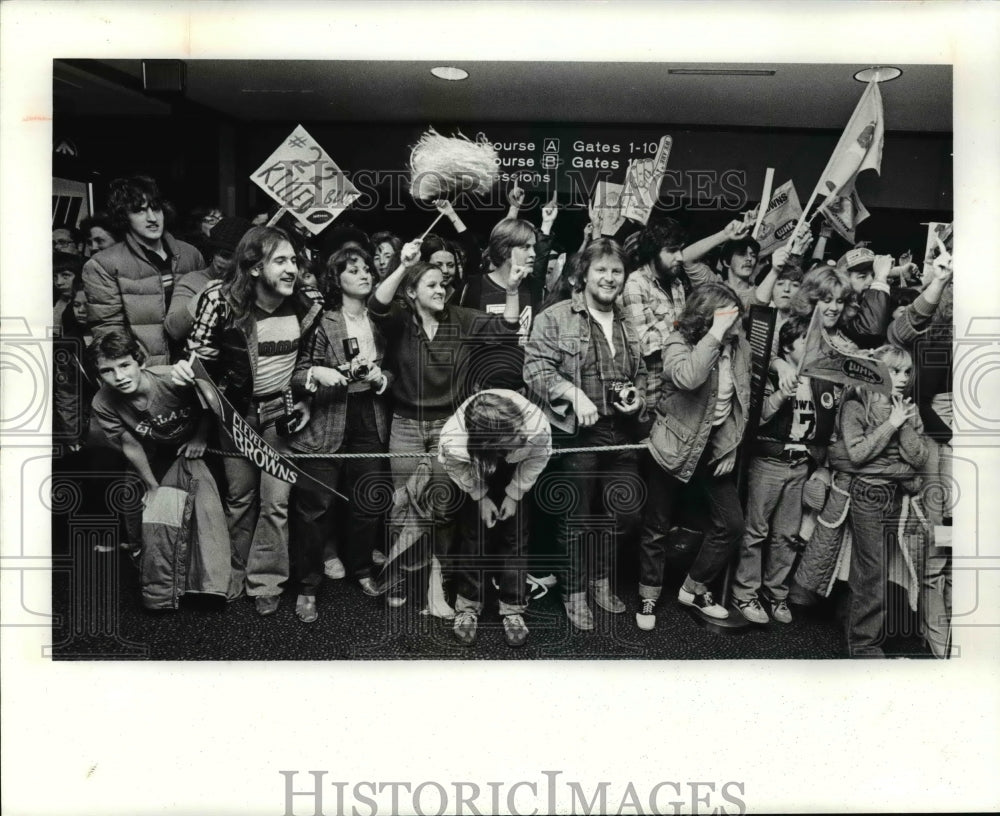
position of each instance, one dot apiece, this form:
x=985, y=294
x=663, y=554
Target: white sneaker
x=704, y=603
x=334, y=568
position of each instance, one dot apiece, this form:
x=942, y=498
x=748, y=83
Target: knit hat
x=815, y=490
x=225, y=235
x=859, y=259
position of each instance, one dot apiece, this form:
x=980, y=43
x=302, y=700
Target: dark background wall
x=713, y=173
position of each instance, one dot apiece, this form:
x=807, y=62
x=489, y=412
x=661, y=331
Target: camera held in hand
x=355, y=369
x=621, y=391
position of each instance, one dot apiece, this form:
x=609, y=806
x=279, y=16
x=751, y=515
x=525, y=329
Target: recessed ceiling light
x=450, y=73
x=878, y=73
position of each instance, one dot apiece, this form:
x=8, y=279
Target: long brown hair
x=699, y=310
x=255, y=247
x=489, y=420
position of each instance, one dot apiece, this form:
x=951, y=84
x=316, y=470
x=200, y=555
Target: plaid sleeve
x=202, y=339
x=652, y=332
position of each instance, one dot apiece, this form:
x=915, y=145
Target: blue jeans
x=499, y=550
x=412, y=436
x=257, y=514
x=874, y=513
x=774, y=504
x=722, y=535
x=366, y=484
x=603, y=496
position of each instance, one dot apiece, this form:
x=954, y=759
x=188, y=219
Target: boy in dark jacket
x=795, y=430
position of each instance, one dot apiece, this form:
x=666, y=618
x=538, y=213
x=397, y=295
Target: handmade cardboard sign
x=305, y=181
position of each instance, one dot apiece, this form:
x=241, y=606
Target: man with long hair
x=129, y=285
x=247, y=331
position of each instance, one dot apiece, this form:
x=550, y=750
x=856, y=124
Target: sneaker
x=644, y=618
x=368, y=587
x=266, y=604
x=780, y=611
x=396, y=601
x=334, y=568
x=465, y=627
x=578, y=611
x=514, y=630
x=703, y=602
x=605, y=598
x=378, y=558
x=547, y=581
x=751, y=610
x=305, y=609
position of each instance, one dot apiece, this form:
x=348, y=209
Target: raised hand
x=444, y=207
x=724, y=318
x=902, y=410
x=410, y=253
x=801, y=240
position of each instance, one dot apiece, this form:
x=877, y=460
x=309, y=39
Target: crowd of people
x=470, y=412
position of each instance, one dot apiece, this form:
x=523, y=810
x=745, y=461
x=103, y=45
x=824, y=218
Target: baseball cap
x=859, y=259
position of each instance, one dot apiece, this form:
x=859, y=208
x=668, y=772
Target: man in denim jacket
x=584, y=366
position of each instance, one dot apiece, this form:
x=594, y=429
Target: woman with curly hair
x=340, y=366
x=700, y=420
x=882, y=445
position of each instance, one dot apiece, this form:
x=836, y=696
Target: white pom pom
x=443, y=166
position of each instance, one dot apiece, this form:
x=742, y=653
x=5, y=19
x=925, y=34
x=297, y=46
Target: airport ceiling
x=773, y=95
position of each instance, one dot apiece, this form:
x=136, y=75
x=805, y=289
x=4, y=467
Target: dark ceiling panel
x=796, y=96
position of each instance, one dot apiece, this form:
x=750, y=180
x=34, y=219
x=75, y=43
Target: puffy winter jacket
x=125, y=290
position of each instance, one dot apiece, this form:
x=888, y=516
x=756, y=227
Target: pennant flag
x=778, y=223
x=844, y=214
x=859, y=149
x=303, y=179
x=642, y=183
x=822, y=360
x=246, y=440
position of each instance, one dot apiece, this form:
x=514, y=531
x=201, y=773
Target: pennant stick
x=277, y=216
x=765, y=199
x=421, y=238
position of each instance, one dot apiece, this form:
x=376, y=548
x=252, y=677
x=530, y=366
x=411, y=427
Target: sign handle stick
x=765, y=199
x=421, y=238
x=277, y=216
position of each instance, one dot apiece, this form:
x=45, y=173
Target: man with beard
x=655, y=293
x=584, y=367
x=739, y=259
x=247, y=331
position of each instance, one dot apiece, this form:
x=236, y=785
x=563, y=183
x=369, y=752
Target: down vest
x=125, y=290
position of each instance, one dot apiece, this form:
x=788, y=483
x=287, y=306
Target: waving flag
x=859, y=149
x=824, y=361
x=844, y=214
